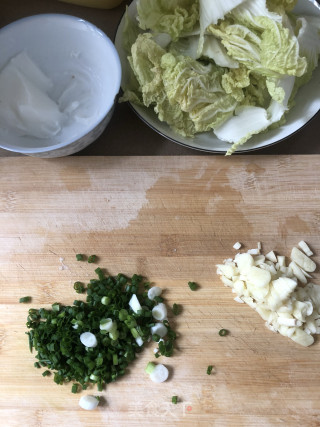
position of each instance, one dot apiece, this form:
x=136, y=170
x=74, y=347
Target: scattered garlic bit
x=237, y=246
x=275, y=291
x=303, y=260
x=271, y=256
x=305, y=248
x=259, y=246
x=254, y=251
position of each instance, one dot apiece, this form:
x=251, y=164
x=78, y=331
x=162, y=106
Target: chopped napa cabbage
x=131, y=31
x=228, y=66
x=214, y=49
x=309, y=42
x=182, y=90
x=308, y=36
x=186, y=46
x=197, y=88
x=145, y=62
x=235, y=80
x=246, y=13
x=278, y=107
x=281, y=6
x=173, y=17
x=162, y=39
x=257, y=92
x=249, y=120
x=272, y=51
x=211, y=12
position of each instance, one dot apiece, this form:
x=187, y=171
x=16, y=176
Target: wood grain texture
x=171, y=219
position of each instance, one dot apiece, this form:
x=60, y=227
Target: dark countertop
x=136, y=138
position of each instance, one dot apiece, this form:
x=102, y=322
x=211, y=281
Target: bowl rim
x=241, y=149
x=117, y=84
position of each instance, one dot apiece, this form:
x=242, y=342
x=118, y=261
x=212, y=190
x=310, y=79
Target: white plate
x=307, y=102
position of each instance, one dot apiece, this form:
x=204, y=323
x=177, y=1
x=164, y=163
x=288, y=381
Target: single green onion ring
x=92, y=258
x=25, y=299
x=209, y=369
x=176, y=309
x=193, y=286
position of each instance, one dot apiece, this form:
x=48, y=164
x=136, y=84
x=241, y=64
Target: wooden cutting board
x=171, y=219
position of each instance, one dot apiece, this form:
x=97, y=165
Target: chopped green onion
x=78, y=287
x=92, y=259
x=88, y=402
x=99, y=272
x=209, y=369
x=115, y=359
x=155, y=337
x=150, y=368
x=105, y=300
x=25, y=299
x=55, y=306
x=159, y=374
x=174, y=399
x=123, y=314
x=176, y=309
x=223, y=332
x=79, y=257
x=134, y=332
x=74, y=388
x=114, y=335
x=113, y=324
x=193, y=286
x=46, y=373
x=107, y=325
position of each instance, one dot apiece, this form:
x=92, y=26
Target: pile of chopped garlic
x=282, y=294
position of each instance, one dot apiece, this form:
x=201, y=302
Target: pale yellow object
x=99, y=4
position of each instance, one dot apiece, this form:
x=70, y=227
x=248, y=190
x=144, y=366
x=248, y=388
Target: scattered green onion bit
x=156, y=337
x=176, y=309
x=25, y=299
x=223, y=332
x=193, y=286
x=92, y=259
x=78, y=287
x=79, y=257
x=74, y=388
x=150, y=368
x=174, y=399
x=55, y=333
x=209, y=369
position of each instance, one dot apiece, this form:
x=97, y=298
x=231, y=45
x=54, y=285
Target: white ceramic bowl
x=64, y=48
x=307, y=102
